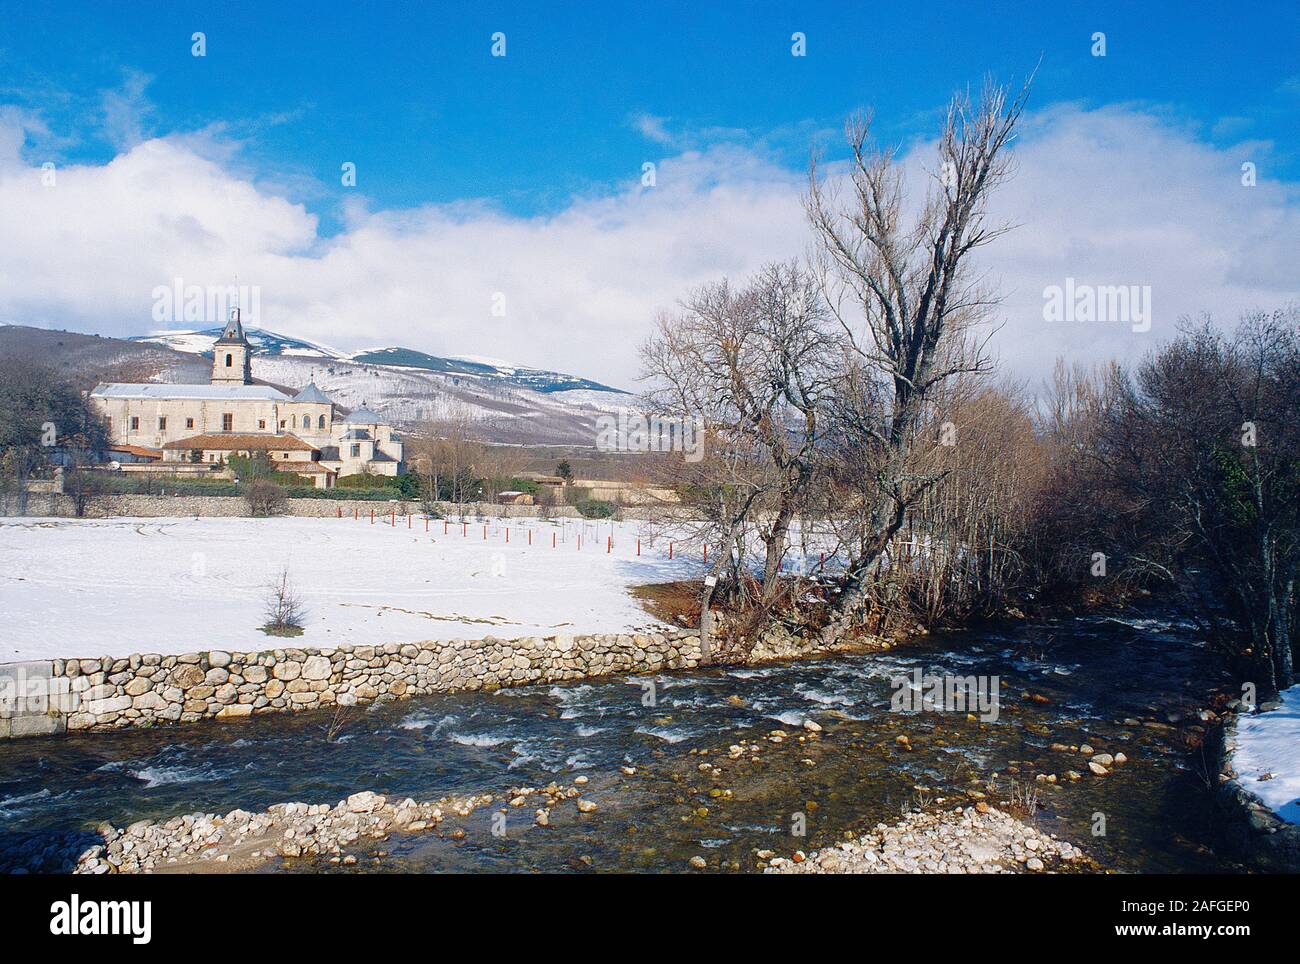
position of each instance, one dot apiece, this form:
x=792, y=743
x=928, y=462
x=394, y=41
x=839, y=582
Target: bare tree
x=264, y=497
x=450, y=460
x=910, y=304
x=1201, y=448
x=757, y=365
x=284, y=611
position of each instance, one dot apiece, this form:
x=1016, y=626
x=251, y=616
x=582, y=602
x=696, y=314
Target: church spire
x=232, y=361
x=234, y=330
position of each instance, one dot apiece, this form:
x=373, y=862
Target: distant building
x=173, y=427
x=513, y=497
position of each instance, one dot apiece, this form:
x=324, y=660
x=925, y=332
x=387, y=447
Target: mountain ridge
x=270, y=343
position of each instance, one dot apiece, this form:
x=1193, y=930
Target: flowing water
x=1109, y=681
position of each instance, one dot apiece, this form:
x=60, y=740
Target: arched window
x=306, y=421
x=230, y=360
x=320, y=422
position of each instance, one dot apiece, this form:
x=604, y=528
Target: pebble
x=978, y=840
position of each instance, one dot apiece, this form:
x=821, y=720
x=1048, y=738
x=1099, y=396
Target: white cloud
x=1114, y=196
x=651, y=128
x=126, y=110
x=1117, y=197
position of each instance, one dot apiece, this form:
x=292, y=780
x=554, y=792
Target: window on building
x=320, y=422
x=189, y=423
x=306, y=421
x=230, y=360
x=227, y=422
x=212, y=458
x=162, y=423
x=261, y=423
x=356, y=451
x=135, y=423
x=281, y=423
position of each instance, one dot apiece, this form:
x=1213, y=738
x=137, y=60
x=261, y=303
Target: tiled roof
x=139, y=450
x=249, y=443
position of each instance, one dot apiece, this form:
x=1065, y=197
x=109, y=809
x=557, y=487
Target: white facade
x=150, y=416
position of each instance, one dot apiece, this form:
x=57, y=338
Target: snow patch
x=1267, y=755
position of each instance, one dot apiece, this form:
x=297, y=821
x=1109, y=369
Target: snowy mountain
x=200, y=341
x=271, y=343
x=502, y=402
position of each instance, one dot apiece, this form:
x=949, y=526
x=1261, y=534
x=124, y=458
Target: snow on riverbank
x=1267, y=756
x=112, y=587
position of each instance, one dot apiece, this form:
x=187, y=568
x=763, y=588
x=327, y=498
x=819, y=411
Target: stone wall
x=151, y=690
x=185, y=506
x=1249, y=830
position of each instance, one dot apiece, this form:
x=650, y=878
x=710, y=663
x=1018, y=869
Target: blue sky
x=409, y=93
x=480, y=177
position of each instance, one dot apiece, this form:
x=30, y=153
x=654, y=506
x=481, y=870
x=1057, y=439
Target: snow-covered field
x=1268, y=744
x=113, y=587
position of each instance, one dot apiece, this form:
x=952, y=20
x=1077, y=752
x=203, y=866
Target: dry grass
x=677, y=603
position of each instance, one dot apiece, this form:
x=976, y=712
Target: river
x=1113, y=681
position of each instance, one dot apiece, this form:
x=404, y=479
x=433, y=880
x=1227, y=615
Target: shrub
x=85, y=488
x=264, y=497
x=365, y=480
x=595, y=509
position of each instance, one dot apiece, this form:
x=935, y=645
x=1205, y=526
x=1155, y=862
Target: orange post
x=552, y=540
x=507, y=535
x=670, y=550
x=372, y=516
x=638, y=547
x=706, y=552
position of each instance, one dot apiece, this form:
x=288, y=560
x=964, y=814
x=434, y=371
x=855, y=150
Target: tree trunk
x=776, y=543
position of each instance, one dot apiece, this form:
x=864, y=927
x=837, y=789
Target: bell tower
x=231, y=361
